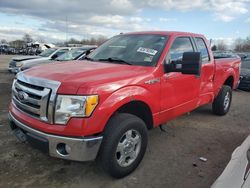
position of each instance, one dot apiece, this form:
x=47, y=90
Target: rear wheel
x=222, y=102
x=124, y=145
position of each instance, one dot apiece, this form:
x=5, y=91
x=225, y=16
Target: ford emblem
x=22, y=96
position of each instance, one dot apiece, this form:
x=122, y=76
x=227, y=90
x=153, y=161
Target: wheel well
x=139, y=109
x=229, y=81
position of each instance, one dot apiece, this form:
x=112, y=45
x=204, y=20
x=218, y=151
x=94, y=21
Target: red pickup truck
x=101, y=108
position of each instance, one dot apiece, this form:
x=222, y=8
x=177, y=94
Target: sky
x=59, y=20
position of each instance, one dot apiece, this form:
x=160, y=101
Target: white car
x=49, y=54
x=236, y=174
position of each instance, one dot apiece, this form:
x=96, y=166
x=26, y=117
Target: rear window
x=203, y=49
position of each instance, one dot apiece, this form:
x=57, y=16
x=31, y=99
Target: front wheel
x=222, y=102
x=124, y=145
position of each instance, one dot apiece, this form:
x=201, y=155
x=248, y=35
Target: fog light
x=67, y=148
x=63, y=149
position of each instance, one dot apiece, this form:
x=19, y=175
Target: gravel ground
x=171, y=160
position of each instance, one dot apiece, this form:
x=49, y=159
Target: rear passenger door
x=207, y=71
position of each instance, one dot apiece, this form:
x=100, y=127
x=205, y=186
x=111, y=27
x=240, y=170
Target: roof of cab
x=164, y=33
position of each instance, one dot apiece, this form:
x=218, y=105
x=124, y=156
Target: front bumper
x=244, y=83
x=77, y=149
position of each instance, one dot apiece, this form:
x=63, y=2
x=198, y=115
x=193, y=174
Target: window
x=140, y=50
x=47, y=52
x=180, y=45
x=71, y=55
x=203, y=49
x=60, y=52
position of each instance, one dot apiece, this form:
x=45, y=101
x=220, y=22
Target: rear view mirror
x=190, y=64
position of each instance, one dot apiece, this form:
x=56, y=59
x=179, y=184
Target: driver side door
x=179, y=92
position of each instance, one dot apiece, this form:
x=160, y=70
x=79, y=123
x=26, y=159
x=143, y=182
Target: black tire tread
x=218, y=107
x=114, y=128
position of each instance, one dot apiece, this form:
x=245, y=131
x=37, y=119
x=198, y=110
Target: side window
x=203, y=49
x=60, y=52
x=180, y=45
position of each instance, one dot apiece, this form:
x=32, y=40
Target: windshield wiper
x=88, y=58
x=112, y=59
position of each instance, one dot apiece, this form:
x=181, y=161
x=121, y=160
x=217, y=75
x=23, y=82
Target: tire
x=222, y=102
x=129, y=133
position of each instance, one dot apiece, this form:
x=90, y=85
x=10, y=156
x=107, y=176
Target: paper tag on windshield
x=147, y=51
x=148, y=58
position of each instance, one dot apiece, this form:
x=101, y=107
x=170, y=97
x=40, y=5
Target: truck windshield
x=47, y=52
x=71, y=55
x=133, y=49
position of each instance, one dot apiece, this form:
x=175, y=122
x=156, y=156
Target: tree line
x=240, y=45
x=22, y=43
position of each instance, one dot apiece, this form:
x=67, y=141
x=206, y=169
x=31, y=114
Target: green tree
x=27, y=38
x=214, y=48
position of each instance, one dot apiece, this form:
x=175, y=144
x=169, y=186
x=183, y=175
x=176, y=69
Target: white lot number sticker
x=147, y=51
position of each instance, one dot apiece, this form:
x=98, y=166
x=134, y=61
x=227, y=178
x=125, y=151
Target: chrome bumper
x=77, y=149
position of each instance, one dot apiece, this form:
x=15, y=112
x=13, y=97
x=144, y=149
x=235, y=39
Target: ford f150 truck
x=102, y=108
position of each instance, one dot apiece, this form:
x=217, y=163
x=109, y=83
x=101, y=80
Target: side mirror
x=190, y=64
x=88, y=52
x=54, y=56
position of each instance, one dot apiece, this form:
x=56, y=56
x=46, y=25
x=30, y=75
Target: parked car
x=16, y=63
x=224, y=54
x=73, y=54
x=245, y=74
x=131, y=83
x=242, y=55
x=236, y=173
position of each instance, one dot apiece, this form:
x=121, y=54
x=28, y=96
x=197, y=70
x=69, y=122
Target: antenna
x=66, y=35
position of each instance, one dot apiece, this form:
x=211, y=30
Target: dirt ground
x=168, y=162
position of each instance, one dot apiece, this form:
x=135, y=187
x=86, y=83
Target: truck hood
x=23, y=58
x=35, y=61
x=87, y=74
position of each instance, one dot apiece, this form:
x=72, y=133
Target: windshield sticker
x=147, y=51
x=148, y=59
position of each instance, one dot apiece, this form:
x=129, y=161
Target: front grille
x=31, y=99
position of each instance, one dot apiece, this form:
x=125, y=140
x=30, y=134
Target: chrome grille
x=31, y=99
x=38, y=98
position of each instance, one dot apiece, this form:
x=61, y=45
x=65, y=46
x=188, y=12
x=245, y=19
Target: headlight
x=68, y=106
x=18, y=64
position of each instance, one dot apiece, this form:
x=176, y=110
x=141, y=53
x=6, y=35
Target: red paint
x=118, y=84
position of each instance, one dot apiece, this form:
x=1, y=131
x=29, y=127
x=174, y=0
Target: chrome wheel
x=128, y=148
x=227, y=101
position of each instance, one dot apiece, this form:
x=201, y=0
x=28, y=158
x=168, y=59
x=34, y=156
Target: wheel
x=222, y=102
x=124, y=145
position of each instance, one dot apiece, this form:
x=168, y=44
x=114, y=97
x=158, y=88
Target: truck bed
x=222, y=71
